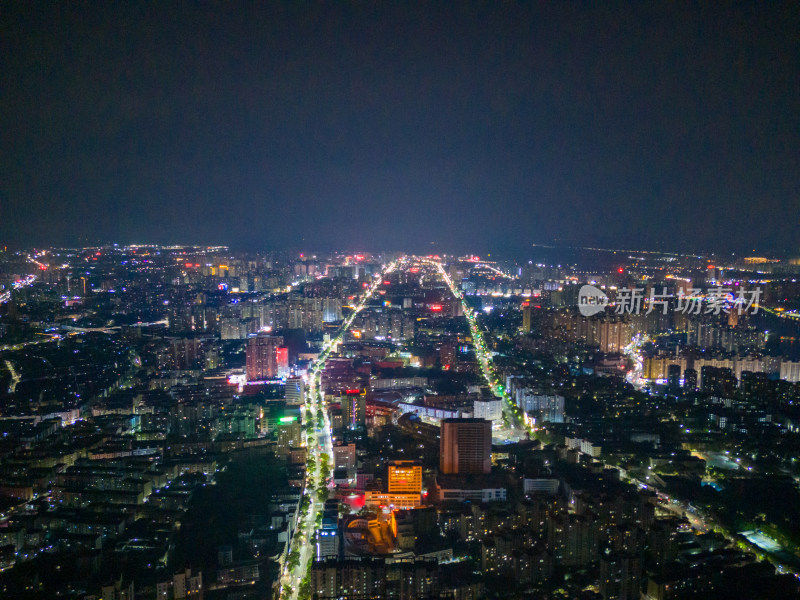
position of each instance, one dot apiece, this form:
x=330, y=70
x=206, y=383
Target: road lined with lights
x=514, y=421
x=318, y=443
x=21, y=283
x=495, y=270
x=632, y=351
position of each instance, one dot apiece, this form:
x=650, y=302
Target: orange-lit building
x=405, y=476
x=377, y=498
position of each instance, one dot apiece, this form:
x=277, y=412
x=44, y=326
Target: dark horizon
x=478, y=127
x=537, y=253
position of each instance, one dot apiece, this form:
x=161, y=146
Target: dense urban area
x=192, y=422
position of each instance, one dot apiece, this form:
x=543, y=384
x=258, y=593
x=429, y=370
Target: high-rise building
x=690, y=380
x=185, y=353
x=344, y=456
x=405, y=476
x=573, y=539
x=447, y=355
x=266, y=357
x=719, y=381
x=184, y=584
x=354, y=410
x=295, y=389
x=620, y=576
x=674, y=378
x=526, y=317
x=490, y=409
x=466, y=446
x=372, y=577
x=289, y=435
x=331, y=310
x=282, y=361
x=542, y=407
x=328, y=536
x=610, y=333
x=790, y=370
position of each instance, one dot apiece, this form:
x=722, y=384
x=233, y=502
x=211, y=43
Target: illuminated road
x=42, y=340
x=15, y=378
x=780, y=312
x=6, y=296
x=634, y=376
x=514, y=425
x=495, y=270
x=318, y=443
x=21, y=283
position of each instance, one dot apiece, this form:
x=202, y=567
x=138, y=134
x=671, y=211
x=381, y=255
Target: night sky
x=391, y=125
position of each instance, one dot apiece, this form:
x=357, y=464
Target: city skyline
x=321, y=427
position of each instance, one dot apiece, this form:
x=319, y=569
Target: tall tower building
x=266, y=357
x=354, y=410
x=526, y=317
x=466, y=446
